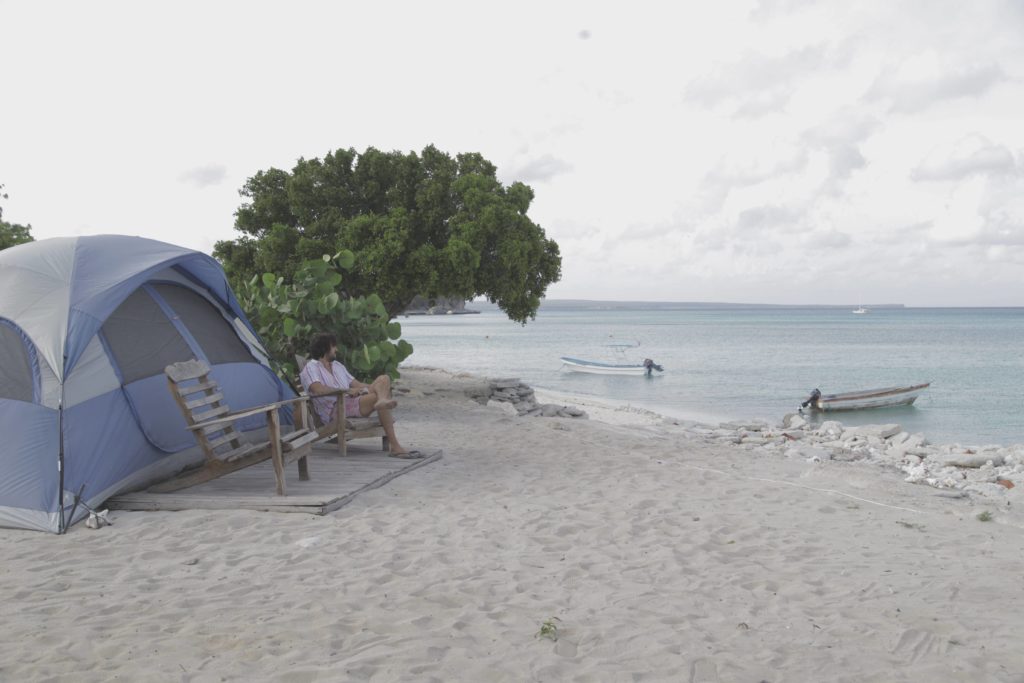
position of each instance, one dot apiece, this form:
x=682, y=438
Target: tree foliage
x=287, y=313
x=418, y=224
x=12, y=234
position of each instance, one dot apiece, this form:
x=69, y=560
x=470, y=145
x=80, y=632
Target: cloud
x=568, y=229
x=1002, y=233
x=971, y=155
x=829, y=239
x=767, y=217
x=730, y=174
x=204, y=176
x=658, y=233
x=770, y=9
x=541, y=169
x=924, y=81
x=840, y=138
x=913, y=233
x=757, y=84
x=754, y=171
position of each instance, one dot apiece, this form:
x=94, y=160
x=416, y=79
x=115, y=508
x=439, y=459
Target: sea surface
x=733, y=363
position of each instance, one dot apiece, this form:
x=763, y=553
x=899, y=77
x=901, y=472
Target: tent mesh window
x=15, y=366
x=215, y=335
x=141, y=338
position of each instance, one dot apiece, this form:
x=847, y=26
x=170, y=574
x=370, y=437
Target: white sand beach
x=659, y=555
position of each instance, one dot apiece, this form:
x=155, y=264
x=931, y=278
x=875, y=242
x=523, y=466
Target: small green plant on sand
x=549, y=629
x=985, y=516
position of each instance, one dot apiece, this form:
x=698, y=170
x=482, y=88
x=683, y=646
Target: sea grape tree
x=417, y=224
x=288, y=312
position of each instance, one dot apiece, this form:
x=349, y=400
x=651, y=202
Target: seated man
x=323, y=374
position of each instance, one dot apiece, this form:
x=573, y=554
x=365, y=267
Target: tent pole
x=62, y=523
x=60, y=462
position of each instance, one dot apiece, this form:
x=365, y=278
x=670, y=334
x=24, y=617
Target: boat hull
x=873, y=398
x=595, y=368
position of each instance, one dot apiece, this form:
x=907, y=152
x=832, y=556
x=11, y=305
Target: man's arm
x=317, y=388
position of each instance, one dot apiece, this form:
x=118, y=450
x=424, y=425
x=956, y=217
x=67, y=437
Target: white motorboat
x=597, y=368
x=647, y=367
x=860, y=310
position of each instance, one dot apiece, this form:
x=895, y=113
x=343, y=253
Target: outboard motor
x=650, y=365
x=812, y=399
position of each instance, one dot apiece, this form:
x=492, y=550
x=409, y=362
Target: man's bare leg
x=381, y=388
x=387, y=419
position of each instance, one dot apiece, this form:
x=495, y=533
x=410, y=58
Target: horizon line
x=748, y=304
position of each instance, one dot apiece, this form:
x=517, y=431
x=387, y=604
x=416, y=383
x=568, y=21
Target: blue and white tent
x=87, y=325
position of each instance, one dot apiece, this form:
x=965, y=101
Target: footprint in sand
x=703, y=671
x=915, y=644
x=565, y=648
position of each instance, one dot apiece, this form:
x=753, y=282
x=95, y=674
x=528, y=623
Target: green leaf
x=269, y=279
x=332, y=300
x=289, y=327
x=394, y=330
x=345, y=258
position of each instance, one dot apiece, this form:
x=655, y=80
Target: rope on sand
x=802, y=486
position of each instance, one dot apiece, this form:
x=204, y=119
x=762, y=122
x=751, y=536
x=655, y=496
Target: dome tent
x=87, y=325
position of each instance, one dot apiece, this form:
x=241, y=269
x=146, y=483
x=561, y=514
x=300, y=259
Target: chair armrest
x=333, y=392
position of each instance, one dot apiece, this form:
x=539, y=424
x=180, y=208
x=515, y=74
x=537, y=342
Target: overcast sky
x=775, y=151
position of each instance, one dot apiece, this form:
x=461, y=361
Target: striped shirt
x=337, y=378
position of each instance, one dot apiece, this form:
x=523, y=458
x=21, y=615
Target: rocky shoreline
x=990, y=469
x=958, y=471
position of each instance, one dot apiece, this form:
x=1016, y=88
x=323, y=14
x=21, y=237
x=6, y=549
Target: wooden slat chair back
x=212, y=423
x=344, y=428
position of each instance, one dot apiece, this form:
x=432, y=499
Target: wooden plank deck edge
x=331, y=506
x=146, y=502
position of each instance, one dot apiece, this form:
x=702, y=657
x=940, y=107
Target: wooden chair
x=343, y=428
x=212, y=423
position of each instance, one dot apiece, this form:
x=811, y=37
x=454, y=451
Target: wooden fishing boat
x=859, y=400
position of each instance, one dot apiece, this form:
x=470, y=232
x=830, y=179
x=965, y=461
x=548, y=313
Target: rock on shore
x=517, y=398
x=991, y=469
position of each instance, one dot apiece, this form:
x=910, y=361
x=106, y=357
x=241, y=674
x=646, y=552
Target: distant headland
x=675, y=305
x=441, y=306
x=596, y=305
x=454, y=306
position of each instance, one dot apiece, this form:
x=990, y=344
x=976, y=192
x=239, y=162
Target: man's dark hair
x=321, y=344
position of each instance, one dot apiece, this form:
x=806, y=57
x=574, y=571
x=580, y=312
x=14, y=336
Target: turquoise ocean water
x=742, y=363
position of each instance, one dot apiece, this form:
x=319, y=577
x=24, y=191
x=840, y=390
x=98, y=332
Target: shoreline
x=989, y=473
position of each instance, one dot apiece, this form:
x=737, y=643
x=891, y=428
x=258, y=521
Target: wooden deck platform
x=333, y=482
